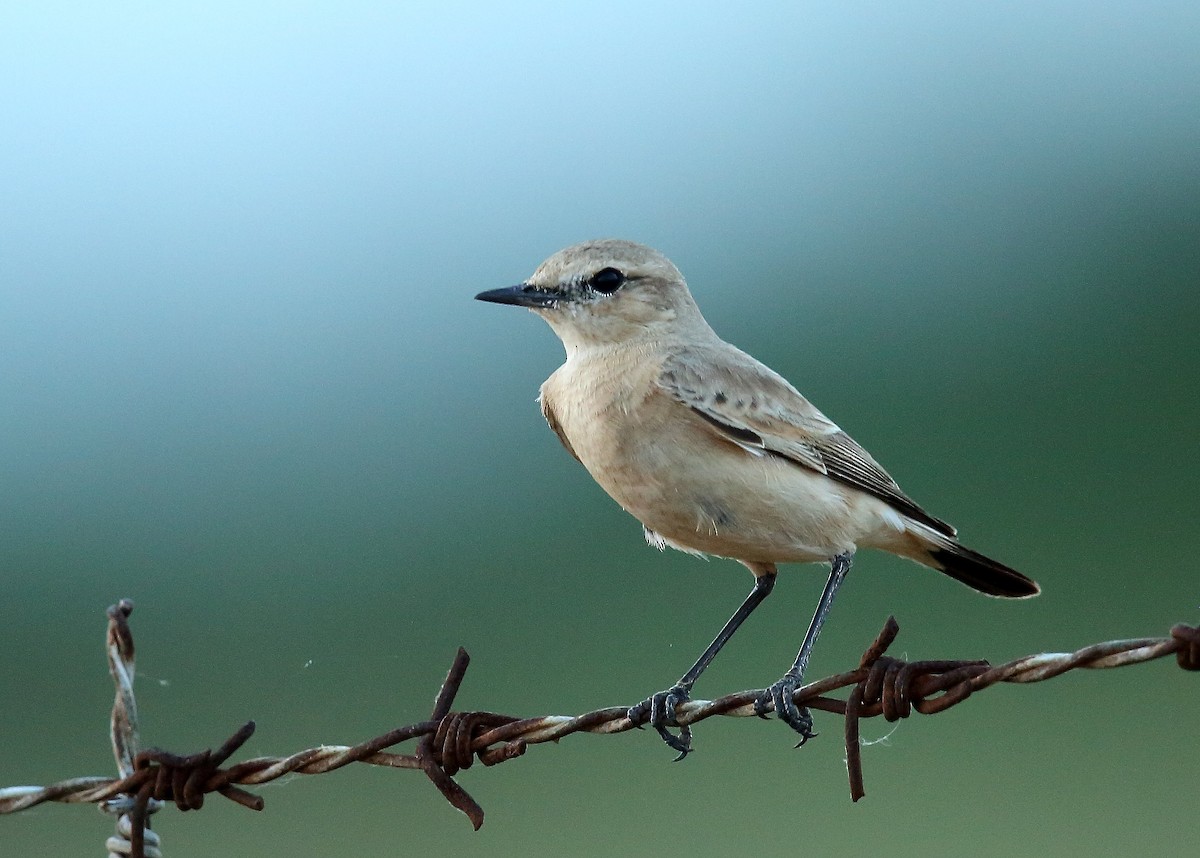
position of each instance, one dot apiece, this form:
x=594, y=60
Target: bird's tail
x=978, y=572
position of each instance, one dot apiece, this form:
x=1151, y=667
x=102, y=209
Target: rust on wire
x=164, y=776
x=1188, y=638
x=123, y=724
x=449, y=741
x=430, y=754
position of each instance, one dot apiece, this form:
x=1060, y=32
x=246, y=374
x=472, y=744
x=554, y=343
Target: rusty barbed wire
x=452, y=741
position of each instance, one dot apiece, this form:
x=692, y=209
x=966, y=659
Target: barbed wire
x=449, y=741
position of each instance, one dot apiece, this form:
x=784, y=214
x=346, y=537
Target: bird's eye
x=606, y=281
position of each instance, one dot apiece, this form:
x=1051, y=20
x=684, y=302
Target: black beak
x=523, y=295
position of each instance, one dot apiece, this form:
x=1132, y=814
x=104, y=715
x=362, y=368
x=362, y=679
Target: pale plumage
x=757, y=408
x=713, y=451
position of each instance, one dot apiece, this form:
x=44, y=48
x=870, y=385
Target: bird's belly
x=732, y=503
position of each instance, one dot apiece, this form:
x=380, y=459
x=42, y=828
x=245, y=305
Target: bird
x=717, y=454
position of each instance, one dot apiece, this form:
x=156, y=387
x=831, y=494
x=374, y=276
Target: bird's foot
x=780, y=696
x=658, y=710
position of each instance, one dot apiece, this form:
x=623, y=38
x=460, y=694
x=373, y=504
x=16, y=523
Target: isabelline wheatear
x=715, y=453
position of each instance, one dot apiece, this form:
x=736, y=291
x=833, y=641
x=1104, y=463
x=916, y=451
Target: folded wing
x=748, y=404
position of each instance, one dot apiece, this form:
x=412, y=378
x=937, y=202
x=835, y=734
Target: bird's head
x=606, y=292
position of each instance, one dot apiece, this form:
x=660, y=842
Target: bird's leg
x=659, y=709
x=780, y=694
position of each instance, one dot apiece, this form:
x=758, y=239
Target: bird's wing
x=748, y=404
x=552, y=419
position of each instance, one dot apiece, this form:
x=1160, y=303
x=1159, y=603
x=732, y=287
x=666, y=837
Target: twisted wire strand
x=449, y=741
x=133, y=837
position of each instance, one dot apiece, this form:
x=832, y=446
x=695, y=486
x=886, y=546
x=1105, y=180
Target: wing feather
x=750, y=405
x=552, y=419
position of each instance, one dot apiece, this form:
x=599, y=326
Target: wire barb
x=449, y=741
x=442, y=752
x=1188, y=654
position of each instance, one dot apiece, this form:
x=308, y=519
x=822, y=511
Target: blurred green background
x=243, y=382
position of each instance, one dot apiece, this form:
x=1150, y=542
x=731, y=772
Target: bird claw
x=658, y=710
x=779, y=696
